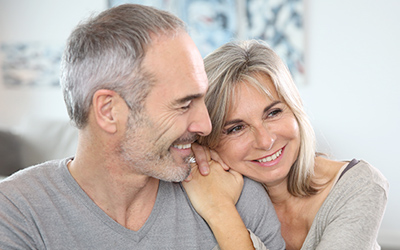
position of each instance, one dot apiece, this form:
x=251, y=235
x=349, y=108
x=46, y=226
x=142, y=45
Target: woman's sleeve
x=354, y=223
x=257, y=243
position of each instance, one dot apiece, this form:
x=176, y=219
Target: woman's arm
x=214, y=197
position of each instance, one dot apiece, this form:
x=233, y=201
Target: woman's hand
x=203, y=156
x=214, y=197
x=211, y=194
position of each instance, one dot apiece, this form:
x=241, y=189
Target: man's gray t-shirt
x=43, y=207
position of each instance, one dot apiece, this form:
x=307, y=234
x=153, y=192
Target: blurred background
x=344, y=56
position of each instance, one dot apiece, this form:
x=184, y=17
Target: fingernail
x=204, y=170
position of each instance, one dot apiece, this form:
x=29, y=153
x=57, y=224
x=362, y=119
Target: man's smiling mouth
x=182, y=146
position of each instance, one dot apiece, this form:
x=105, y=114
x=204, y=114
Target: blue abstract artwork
x=280, y=24
x=30, y=64
x=212, y=23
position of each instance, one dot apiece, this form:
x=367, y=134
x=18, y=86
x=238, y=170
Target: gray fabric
x=10, y=153
x=351, y=214
x=42, y=207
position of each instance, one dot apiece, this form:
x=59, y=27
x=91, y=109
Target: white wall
x=46, y=21
x=352, y=90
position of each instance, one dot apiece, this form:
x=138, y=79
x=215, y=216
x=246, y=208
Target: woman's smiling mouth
x=272, y=157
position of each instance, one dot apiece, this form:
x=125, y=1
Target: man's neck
x=126, y=198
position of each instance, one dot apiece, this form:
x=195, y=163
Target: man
x=134, y=85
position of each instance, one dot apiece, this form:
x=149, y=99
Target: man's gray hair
x=106, y=52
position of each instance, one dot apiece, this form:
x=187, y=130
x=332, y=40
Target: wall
x=352, y=90
x=44, y=21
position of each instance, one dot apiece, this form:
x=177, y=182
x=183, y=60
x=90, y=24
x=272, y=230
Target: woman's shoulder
x=357, y=187
x=366, y=173
x=361, y=170
x=362, y=176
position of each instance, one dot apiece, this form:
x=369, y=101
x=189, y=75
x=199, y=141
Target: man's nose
x=201, y=123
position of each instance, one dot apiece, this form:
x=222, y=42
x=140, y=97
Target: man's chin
x=184, y=170
x=177, y=174
x=174, y=169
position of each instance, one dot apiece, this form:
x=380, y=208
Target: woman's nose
x=265, y=138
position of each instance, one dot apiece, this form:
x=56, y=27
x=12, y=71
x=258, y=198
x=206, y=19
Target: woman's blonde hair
x=242, y=62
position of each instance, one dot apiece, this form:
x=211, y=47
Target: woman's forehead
x=262, y=84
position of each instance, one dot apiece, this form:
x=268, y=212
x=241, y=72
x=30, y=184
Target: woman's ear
x=104, y=102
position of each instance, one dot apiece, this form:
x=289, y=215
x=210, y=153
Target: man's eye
x=186, y=107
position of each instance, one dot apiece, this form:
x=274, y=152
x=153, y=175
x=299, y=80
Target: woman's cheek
x=233, y=152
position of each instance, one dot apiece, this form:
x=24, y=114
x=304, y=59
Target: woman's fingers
x=189, y=178
x=194, y=168
x=215, y=156
x=203, y=158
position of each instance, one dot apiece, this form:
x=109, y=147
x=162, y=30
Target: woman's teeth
x=182, y=146
x=271, y=157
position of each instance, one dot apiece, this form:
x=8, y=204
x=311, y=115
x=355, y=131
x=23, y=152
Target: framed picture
x=212, y=23
x=30, y=64
x=280, y=24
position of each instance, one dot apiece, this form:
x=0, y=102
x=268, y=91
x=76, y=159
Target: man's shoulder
x=28, y=179
x=252, y=186
x=258, y=214
x=253, y=193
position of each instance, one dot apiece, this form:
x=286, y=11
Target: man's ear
x=104, y=102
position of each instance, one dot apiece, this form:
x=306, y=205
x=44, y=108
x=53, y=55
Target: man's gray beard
x=163, y=168
x=154, y=162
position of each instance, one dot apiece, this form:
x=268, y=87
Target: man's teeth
x=272, y=157
x=182, y=146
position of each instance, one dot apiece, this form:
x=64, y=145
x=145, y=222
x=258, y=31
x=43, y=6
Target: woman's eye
x=234, y=129
x=274, y=113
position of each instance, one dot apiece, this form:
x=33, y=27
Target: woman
x=260, y=130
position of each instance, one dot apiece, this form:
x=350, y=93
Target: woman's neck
x=278, y=192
